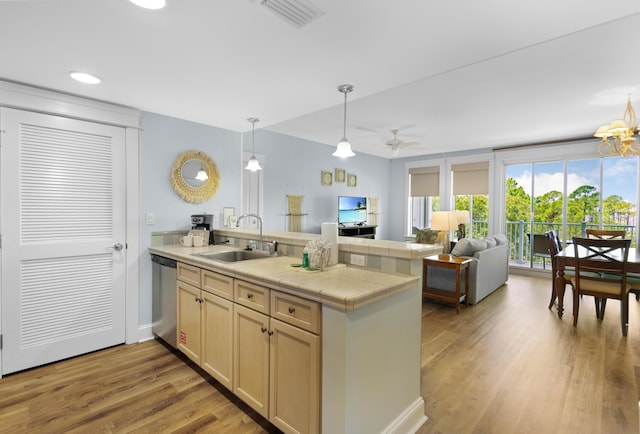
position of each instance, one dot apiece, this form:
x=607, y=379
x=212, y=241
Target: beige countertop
x=396, y=249
x=346, y=288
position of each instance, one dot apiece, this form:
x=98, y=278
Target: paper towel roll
x=329, y=232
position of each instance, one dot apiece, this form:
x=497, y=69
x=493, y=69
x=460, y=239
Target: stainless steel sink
x=234, y=256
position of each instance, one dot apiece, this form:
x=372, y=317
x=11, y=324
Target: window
x=424, y=196
x=569, y=196
x=471, y=193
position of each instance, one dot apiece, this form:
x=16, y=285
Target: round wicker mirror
x=183, y=175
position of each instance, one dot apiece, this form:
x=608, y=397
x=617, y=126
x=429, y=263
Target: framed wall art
x=340, y=175
x=327, y=177
x=352, y=180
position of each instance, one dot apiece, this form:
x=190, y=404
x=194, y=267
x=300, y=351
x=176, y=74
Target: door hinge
x=0, y=342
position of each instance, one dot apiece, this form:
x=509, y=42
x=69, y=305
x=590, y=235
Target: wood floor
x=505, y=365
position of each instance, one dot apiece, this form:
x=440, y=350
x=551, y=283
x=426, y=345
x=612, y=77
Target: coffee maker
x=203, y=221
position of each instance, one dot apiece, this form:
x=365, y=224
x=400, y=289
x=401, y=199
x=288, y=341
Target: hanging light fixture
x=622, y=132
x=202, y=174
x=344, y=148
x=253, y=163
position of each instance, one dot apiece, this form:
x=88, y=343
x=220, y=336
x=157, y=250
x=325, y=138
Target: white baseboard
x=410, y=420
x=145, y=333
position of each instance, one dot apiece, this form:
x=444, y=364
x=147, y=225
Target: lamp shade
x=462, y=216
x=444, y=221
x=253, y=164
x=344, y=149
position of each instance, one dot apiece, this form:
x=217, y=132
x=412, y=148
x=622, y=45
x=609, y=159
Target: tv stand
x=362, y=231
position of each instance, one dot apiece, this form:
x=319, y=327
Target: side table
x=457, y=263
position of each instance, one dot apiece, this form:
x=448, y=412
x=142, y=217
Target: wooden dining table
x=567, y=258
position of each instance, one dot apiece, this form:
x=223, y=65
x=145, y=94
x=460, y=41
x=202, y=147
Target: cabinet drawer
x=253, y=296
x=189, y=274
x=296, y=311
x=217, y=284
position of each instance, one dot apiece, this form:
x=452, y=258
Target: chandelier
x=621, y=132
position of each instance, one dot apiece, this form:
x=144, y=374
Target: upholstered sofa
x=488, y=271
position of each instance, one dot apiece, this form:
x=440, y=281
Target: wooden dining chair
x=632, y=279
x=601, y=271
x=605, y=233
x=554, y=246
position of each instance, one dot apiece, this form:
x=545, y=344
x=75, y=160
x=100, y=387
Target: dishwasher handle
x=166, y=262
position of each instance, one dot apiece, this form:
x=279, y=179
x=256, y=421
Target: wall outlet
x=151, y=218
x=357, y=260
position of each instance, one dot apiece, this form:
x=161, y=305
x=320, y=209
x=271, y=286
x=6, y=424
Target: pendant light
x=202, y=174
x=253, y=163
x=344, y=148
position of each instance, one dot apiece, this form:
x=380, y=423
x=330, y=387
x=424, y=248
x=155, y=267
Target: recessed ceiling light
x=150, y=4
x=83, y=77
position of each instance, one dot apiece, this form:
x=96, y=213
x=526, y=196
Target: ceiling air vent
x=298, y=13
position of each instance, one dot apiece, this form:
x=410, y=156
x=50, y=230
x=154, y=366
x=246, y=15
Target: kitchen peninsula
x=369, y=330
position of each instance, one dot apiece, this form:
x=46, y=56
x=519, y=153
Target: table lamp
x=463, y=219
x=444, y=221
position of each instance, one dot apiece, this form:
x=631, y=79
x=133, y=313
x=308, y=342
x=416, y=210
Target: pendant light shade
x=253, y=164
x=343, y=149
x=202, y=174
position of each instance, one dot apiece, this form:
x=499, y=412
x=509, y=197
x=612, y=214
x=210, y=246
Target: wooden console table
x=457, y=263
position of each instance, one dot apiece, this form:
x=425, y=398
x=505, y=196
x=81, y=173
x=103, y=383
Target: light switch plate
x=151, y=218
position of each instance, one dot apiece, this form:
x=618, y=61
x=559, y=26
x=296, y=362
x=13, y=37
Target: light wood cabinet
x=262, y=344
x=276, y=362
x=188, y=320
x=205, y=321
x=294, y=376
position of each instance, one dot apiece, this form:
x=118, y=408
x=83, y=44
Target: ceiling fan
x=395, y=144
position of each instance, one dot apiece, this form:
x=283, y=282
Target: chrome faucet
x=259, y=225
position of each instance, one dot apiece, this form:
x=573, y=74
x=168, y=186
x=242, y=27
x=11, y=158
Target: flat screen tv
x=352, y=209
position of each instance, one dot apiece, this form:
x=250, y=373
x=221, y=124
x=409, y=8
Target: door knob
x=117, y=246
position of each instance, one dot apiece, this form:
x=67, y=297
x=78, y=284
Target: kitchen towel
x=329, y=232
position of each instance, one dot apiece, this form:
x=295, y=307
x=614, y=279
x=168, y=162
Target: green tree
x=518, y=202
x=617, y=211
x=548, y=207
x=583, y=205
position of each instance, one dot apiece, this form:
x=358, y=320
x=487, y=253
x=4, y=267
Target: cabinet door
x=188, y=327
x=294, y=402
x=217, y=338
x=251, y=358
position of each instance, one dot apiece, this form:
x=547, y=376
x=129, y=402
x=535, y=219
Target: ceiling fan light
x=253, y=164
x=343, y=150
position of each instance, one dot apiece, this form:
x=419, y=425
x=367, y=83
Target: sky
x=619, y=176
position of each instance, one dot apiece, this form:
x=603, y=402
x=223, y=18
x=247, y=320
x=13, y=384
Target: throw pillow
x=500, y=239
x=468, y=246
x=427, y=236
x=491, y=242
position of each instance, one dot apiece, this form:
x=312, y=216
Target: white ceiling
x=456, y=74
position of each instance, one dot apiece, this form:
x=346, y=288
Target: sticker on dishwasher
x=183, y=338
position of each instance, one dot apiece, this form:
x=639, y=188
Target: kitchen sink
x=234, y=256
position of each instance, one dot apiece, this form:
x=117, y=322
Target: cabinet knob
x=263, y=329
x=292, y=309
x=249, y=295
x=270, y=332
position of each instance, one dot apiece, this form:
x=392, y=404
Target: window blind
x=425, y=181
x=470, y=178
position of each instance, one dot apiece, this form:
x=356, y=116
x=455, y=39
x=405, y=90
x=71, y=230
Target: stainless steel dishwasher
x=164, y=298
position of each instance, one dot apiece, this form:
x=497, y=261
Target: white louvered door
x=62, y=193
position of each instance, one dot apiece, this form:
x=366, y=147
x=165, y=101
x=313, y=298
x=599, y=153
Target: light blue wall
x=291, y=166
x=162, y=140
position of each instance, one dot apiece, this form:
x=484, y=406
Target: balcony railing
x=522, y=250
